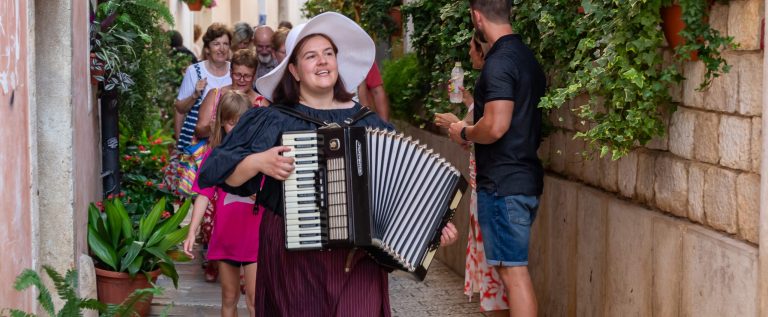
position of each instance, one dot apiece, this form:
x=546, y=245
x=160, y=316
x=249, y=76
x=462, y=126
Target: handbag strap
x=190, y=120
x=362, y=113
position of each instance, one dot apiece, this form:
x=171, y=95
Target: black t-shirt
x=510, y=166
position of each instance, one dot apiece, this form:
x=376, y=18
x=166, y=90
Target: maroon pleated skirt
x=314, y=283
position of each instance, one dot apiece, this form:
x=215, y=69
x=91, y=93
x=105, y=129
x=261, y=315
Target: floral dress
x=478, y=276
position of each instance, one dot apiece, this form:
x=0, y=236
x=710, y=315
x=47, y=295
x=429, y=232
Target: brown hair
x=287, y=90
x=493, y=10
x=245, y=57
x=479, y=43
x=216, y=30
x=231, y=106
x=278, y=39
x=197, y=32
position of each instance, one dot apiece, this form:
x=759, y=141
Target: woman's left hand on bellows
x=450, y=235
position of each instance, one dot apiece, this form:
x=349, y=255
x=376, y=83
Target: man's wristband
x=463, y=134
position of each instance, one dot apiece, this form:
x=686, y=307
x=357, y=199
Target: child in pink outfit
x=234, y=239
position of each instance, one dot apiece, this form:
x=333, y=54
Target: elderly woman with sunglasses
x=327, y=58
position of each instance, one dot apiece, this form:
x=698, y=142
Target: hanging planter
x=195, y=5
x=672, y=23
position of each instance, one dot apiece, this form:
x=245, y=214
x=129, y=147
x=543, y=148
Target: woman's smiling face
x=315, y=67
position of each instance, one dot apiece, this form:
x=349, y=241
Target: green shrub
x=403, y=82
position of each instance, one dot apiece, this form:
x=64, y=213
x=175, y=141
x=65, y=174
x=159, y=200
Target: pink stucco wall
x=15, y=182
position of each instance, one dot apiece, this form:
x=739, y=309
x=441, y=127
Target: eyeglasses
x=239, y=76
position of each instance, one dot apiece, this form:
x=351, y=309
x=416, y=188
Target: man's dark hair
x=493, y=10
x=176, y=39
x=287, y=90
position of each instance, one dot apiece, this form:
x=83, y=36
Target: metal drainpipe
x=110, y=154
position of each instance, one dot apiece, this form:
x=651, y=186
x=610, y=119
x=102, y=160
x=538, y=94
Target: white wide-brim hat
x=354, y=59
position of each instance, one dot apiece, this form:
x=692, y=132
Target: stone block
x=720, y=199
x=590, y=170
x=696, y=176
x=574, y=161
x=675, y=90
x=661, y=142
x=735, y=138
x=561, y=246
x=671, y=186
x=748, y=202
x=646, y=166
x=716, y=95
x=609, y=174
x=557, y=151
x=667, y=266
x=86, y=276
x=694, y=72
x=543, y=152
x=749, y=67
x=627, y=167
x=629, y=274
x=681, y=131
x=744, y=23
x=706, y=143
x=590, y=250
x=718, y=17
x=719, y=276
x=757, y=143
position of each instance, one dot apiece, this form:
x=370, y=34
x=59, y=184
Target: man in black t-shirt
x=507, y=133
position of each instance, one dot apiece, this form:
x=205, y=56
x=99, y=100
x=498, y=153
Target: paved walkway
x=439, y=295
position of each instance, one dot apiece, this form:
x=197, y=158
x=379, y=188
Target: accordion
x=369, y=188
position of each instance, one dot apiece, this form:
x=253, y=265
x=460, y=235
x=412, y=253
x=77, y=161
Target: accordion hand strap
x=364, y=111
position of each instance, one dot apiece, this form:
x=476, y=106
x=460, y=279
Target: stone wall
x=672, y=228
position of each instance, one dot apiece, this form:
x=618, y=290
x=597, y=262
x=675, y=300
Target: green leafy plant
x=372, y=15
x=441, y=33
x=122, y=245
x=131, y=47
x=66, y=288
x=144, y=157
x=609, y=51
x=702, y=39
x=404, y=85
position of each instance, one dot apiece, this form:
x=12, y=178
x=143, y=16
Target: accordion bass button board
x=372, y=189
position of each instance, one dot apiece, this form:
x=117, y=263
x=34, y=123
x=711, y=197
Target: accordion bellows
x=369, y=188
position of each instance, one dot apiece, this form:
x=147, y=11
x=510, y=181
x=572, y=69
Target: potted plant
x=123, y=248
x=197, y=5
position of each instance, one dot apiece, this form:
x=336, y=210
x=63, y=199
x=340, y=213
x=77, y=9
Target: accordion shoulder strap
x=364, y=111
x=292, y=112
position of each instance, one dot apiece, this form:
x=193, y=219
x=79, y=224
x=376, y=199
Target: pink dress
x=235, y=234
x=478, y=276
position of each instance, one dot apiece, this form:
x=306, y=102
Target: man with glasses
x=262, y=40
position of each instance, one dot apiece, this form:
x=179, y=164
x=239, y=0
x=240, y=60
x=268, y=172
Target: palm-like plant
x=66, y=288
x=121, y=245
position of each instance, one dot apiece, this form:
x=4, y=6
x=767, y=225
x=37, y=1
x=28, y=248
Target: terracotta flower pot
x=96, y=72
x=195, y=5
x=114, y=287
x=672, y=23
x=397, y=17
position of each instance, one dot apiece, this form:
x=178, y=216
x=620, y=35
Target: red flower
x=166, y=214
x=149, y=183
x=127, y=157
x=122, y=194
x=142, y=148
x=111, y=196
x=100, y=205
x=157, y=141
x=161, y=186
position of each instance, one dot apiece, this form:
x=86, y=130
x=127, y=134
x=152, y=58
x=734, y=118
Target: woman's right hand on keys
x=275, y=165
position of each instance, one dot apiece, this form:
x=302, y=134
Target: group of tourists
x=325, y=69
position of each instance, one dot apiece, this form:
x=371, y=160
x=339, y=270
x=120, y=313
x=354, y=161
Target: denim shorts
x=505, y=224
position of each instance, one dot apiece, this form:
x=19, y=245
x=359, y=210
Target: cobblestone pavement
x=439, y=295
